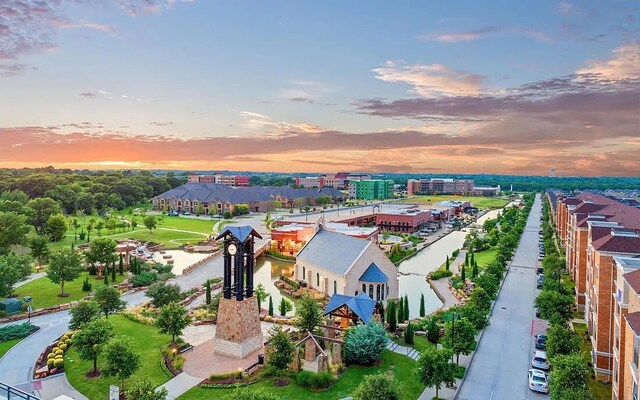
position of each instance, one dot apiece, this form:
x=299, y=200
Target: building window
x=364, y=288
x=371, y=291
x=318, y=279
x=377, y=292
x=335, y=287
x=304, y=273
x=635, y=351
x=356, y=292
x=382, y=294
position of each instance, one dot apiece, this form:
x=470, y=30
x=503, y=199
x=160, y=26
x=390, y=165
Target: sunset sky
x=513, y=87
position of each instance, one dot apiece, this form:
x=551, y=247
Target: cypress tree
x=422, y=311
x=463, y=274
x=466, y=258
x=106, y=278
x=472, y=259
x=406, y=308
x=121, y=265
x=408, y=334
x=474, y=272
x=113, y=272
x=446, y=264
x=382, y=315
x=270, y=306
x=392, y=317
x=208, y=292
x=400, y=310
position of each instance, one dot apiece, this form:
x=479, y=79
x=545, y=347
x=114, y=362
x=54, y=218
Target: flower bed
x=51, y=360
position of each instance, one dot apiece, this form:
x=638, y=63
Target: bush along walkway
x=441, y=286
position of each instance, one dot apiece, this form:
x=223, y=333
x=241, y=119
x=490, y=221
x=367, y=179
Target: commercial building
x=626, y=328
x=338, y=180
x=449, y=186
x=310, y=182
x=333, y=263
x=221, y=179
x=405, y=221
x=213, y=198
x=372, y=189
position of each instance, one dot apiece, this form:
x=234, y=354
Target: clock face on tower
x=232, y=249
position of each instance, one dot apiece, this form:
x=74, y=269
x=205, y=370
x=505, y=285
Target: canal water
x=267, y=272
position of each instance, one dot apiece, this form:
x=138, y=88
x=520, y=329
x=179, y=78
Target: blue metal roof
x=361, y=305
x=239, y=232
x=373, y=274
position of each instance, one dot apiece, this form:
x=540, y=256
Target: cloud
x=481, y=33
x=88, y=95
x=12, y=68
x=431, y=80
x=625, y=64
x=106, y=28
x=140, y=7
x=156, y=123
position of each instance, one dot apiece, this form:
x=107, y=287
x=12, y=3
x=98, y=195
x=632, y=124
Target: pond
x=268, y=271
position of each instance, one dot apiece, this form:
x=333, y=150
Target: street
x=499, y=368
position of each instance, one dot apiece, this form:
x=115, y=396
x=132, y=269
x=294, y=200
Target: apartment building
x=371, y=189
x=310, y=182
x=220, y=179
x=626, y=325
x=605, y=242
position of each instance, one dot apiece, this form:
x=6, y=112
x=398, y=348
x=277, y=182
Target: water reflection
x=268, y=271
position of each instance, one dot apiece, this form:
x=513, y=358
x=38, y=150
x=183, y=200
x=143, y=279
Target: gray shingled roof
x=208, y=192
x=332, y=251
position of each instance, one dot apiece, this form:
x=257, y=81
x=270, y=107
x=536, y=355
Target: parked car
x=538, y=381
x=539, y=270
x=303, y=283
x=538, y=313
x=541, y=342
x=540, y=360
x=186, y=213
x=540, y=281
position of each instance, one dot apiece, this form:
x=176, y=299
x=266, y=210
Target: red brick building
x=404, y=221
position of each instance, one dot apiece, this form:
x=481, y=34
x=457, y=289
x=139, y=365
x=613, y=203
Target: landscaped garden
x=146, y=342
x=476, y=201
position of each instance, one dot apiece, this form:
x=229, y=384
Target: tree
x=280, y=351
x=121, y=361
x=364, y=343
x=108, y=299
x=64, y=266
x=285, y=307
x=400, y=310
x=13, y=230
x=480, y=299
x=82, y=313
x=472, y=260
x=569, y=377
x=463, y=274
x=378, y=386
x=101, y=251
x=150, y=222
x=172, y=319
x=405, y=308
x=41, y=209
x=561, y=341
x=446, y=264
x=422, y=310
x=474, y=271
x=466, y=258
x=121, y=265
x=13, y=269
x=145, y=390
x=489, y=283
x=39, y=250
x=554, y=306
x=91, y=339
x=199, y=209
x=207, y=297
x=391, y=316
x=113, y=272
x=270, y=306
x=308, y=314
x=261, y=294
x=408, y=334
x=459, y=337
x=433, y=330
x=162, y=294
x=474, y=314
x=56, y=227
x=435, y=369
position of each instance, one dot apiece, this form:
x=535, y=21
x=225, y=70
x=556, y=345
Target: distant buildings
x=212, y=198
x=449, y=186
x=372, y=189
x=405, y=221
x=338, y=180
x=333, y=263
x=221, y=179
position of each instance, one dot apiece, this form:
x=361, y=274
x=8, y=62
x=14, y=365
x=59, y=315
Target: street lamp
x=27, y=299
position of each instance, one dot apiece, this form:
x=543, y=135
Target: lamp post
x=27, y=299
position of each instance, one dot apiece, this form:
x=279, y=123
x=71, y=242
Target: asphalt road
x=499, y=368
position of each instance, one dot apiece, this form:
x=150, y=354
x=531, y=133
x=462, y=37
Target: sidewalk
x=58, y=385
x=441, y=286
x=179, y=385
x=31, y=277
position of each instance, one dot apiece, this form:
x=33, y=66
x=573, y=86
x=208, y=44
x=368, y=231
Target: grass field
x=476, y=201
x=5, y=346
x=45, y=294
x=598, y=390
x=484, y=257
x=420, y=343
x=147, y=343
x=401, y=366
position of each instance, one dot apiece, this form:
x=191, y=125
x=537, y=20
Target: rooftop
x=633, y=278
x=332, y=251
x=633, y=319
x=361, y=305
x=373, y=274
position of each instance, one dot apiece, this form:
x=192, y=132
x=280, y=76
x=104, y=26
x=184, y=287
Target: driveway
x=499, y=368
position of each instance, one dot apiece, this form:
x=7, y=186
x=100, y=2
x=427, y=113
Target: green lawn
x=476, y=201
x=45, y=294
x=147, y=343
x=599, y=390
x=5, y=346
x=402, y=367
x=420, y=343
x=485, y=257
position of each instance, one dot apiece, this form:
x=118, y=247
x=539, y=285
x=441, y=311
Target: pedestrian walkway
x=31, y=277
x=58, y=385
x=179, y=385
x=441, y=286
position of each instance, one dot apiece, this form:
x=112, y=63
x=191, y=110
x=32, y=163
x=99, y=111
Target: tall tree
x=463, y=274
x=56, y=227
x=41, y=209
x=392, y=316
x=446, y=264
x=459, y=337
x=162, y=294
x=64, y=266
x=285, y=307
x=121, y=361
x=400, y=310
x=13, y=269
x=422, y=310
x=121, y=265
x=173, y=319
x=435, y=369
x=150, y=222
x=561, y=341
x=91, y=339
x=261, y=294
x=405, y=308
x=308, y=314
x=108, y=299
x=280, y=351
x=102, y=252
x=569, y=377
x=82, y=313
x=270, y=306
x=39, y=249
x=207, y=290
x=13, y=230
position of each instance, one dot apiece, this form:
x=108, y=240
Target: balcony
x=10, y=393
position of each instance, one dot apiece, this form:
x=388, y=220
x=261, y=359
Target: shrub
x=86, y=285
x=57, y=351
x=145, y=278
x=435, y=275
x=321, y=380
x=364, y=344
x=17, y=331
x=252, y=394
x=50, y=356
x=377, y=387
x=58, y=362
x=62, y=346
x=162, y=294
x=230, y=375
x=50, y=362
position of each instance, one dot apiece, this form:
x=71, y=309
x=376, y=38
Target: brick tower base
x=238, y=331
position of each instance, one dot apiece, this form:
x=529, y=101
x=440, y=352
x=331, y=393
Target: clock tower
x=238, y=332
